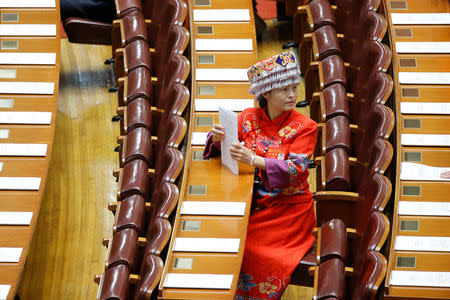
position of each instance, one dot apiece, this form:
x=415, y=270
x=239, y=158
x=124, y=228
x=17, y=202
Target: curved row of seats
x=344, y=62
x=148, y=41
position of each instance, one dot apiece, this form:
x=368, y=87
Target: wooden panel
x=239, y=60
x=427, y=63
x=427, y=226
x=420, y=93
x=33, y=16
x=429, y=191
x=425, y=6
x=225, y=90
x=424, y=261
x=43, y=44
x=226, y=30
x=424, y=33
x=428, y=124
x=36, y=73
x=27, y=134
x=429, y=156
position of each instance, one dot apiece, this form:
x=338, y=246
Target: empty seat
x=137, y=144
x=329, y=103
x=133, y=179
x=128, y=29
x=158, y=235
x=138, y=84
x=134, y=55
x=137, y=113
x=124, y=7
x=164, y=199
x=149, y=277
x=85, y=31
x=123, y=249
x=171, y=132
x=114, y=284
x=331, y=280
x=131, y=212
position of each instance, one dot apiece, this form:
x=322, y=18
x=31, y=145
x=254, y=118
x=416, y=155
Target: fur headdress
x=274, y=72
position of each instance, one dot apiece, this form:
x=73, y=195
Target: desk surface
x=419, y=261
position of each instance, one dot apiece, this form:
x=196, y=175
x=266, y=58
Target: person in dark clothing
x=97, y=10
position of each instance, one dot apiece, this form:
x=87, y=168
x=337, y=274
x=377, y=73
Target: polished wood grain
x=66, y=250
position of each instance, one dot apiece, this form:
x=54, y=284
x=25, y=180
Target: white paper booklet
x=228, y=120
x=420, y=278
x=415, y=171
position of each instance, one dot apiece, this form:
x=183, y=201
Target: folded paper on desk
x=228, y=120
x=415, y=171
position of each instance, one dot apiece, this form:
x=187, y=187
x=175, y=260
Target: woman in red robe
x=278, y=141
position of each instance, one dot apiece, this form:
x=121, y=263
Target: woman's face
x=281, y=99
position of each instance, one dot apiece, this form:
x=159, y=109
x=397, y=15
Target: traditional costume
x=280, y=226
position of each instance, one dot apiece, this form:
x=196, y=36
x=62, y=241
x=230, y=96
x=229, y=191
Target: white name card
x=13, y=149
x=221, y=15
x=422, y=243
x=4, y=291
x=27, y=3
x=198, y=281
x=223, y=44
x=228, y=245
x=221, y=75
x=413, y=139
x=10, y=254
x=230, y=104
x=15, y=58
x=213, y=208
x=420, y=278
x=424, y=77
x=415, y=171
x=418, y=208
x=198, y=138
x=20, y=183
x=16, y=87
x=15, y=217
x=426, y=108
x=25, y=117
x=422, y=47
x=27, y=30
x=420, y=18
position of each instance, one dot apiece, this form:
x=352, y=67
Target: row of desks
x=29, y=74
x=419, y=254
x=208, y=239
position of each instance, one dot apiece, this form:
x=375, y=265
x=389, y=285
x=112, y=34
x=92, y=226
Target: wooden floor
x=66, y=250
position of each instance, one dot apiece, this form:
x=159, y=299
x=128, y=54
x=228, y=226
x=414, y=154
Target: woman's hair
x=262, y=101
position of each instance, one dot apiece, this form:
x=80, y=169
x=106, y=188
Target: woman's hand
x=241, y=153
x=217, y=133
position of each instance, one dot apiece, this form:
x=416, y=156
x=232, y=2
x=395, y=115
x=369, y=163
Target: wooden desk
x=419, y=262
x=218, y=78
x=12, y=200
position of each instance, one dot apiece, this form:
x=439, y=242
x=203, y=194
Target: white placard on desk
x=27, y=3
x=422, y=243
x=223, y=45
x=198, y=138
x=230, y=104
x=420, y=18
x=424, y=77
x=27, y=30
x=4, y=291
x=221, y=15
x=425, y=108
x=15, y=217
x=17, y=87
x=419, y=208
x=20, y=183
x=228, y=245
x=221, y=75
x=16, y=58
x=10, y=254
x=213, y=208
x=16, y=149
x=198, y=281
x=413, y=139
x=422, y=47
x=415, y=171
x=25, y=117
x=420, y=278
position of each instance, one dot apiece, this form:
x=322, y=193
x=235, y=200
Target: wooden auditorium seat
x=134, y=55
x=149, y=277
x=136, y=114
x=124, y=7
x=84, y=31
x=138, y=84
x=131, y=212
x=128, y=29
x=137, y=144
